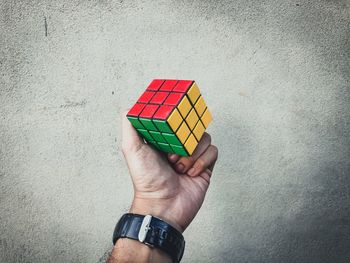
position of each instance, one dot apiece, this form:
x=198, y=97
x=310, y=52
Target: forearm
x=132, y=251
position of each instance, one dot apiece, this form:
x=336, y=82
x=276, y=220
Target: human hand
x=168, y=186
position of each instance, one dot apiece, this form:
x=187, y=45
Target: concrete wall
x=275, y=75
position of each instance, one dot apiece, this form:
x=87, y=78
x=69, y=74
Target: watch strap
x=152, y=231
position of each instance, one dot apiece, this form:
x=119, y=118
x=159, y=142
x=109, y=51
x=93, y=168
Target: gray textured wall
x=276, y=75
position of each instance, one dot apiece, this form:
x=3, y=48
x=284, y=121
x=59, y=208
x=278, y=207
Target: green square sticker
x=135, y=122
x=165, y=147
x=171, y=139
x=180, y=150
x=154, y=144
x=158, y=137
x=162, y=126
x=145, y=134
x=148, y=124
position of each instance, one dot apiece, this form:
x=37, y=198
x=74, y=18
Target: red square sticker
x=155, y=84
x=159, y=97
x=136, y=109
x=168, y=85
x=174, y=98
x=148, y=111
x=183, y=85
x=163, y=112
x=146, y=97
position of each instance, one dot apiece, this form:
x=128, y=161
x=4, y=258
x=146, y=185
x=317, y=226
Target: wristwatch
x=151, y=231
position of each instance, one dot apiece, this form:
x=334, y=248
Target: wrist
x=132, y=251
x=157, y=208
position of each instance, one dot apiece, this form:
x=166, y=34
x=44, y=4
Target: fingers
x=184, y=163
x=131, y=141
x=205, y=161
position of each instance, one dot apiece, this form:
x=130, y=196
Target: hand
x=168, y=186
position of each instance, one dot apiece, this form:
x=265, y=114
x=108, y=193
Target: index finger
x=185, y=163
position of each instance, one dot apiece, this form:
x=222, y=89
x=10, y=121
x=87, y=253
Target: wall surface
x=276, y=75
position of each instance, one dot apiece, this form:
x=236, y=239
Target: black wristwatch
x=151, y=231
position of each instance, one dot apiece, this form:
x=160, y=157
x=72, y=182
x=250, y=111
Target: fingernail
x=180, y=167
x=191, y=171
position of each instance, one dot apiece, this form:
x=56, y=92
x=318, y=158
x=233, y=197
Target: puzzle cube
x=171, y=115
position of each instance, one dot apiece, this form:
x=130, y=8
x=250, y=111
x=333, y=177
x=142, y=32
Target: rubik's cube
x=171, y=115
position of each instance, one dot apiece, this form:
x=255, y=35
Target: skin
x=168, y=186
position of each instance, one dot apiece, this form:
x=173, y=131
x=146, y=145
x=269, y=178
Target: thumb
x=131, y=140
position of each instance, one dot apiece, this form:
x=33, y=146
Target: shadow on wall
x=319, y=232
